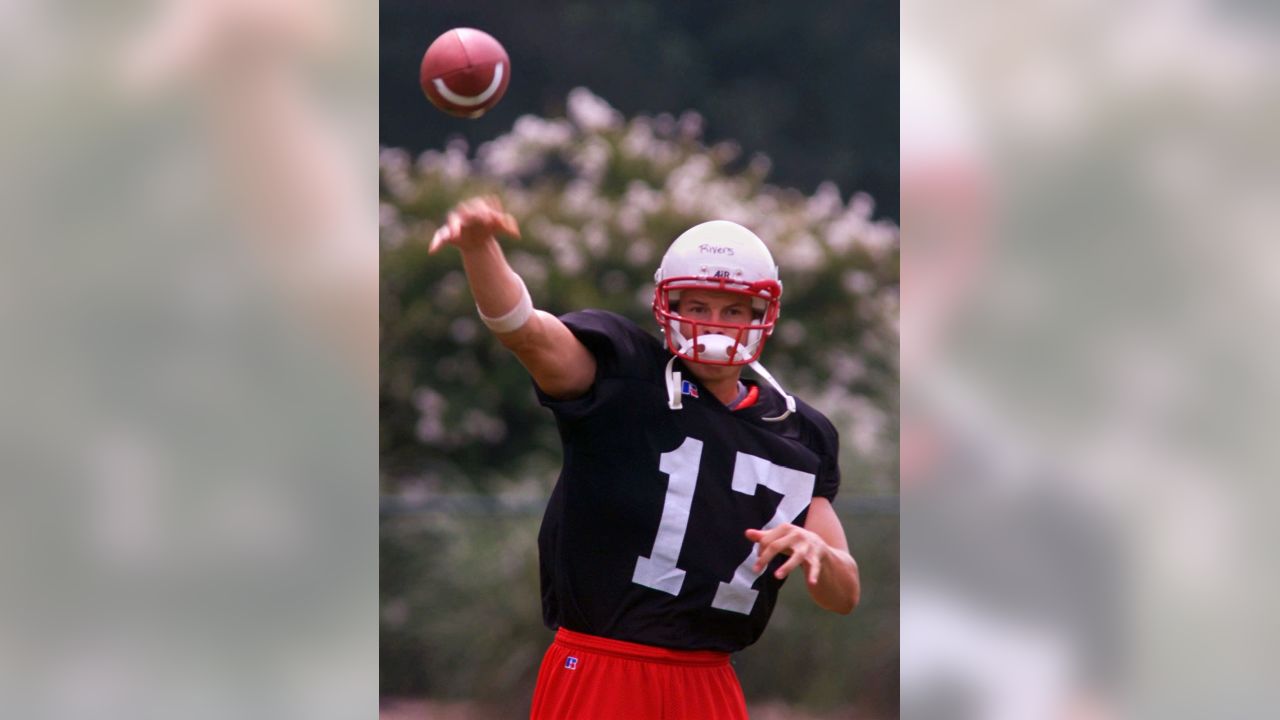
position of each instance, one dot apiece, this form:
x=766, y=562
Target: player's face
x=715, y=307
x=712, y=306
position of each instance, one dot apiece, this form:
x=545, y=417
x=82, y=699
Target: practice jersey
x=643, y=539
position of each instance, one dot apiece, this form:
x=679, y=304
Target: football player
x=660, y=551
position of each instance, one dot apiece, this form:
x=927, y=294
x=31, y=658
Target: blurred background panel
x=1089, y=244
x=623, y=126
x=188, y=330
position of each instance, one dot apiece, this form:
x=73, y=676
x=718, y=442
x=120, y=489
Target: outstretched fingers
x=788, y=540
x=765, y=550
x=508, y=224
x=439, y=240
x=814, y=568
x=488, y=208
x=472, y=219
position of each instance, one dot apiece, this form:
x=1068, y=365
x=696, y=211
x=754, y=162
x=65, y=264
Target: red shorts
x=584, y=677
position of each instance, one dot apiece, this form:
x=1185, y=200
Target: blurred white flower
x=519, y=202
x=686, y=183
x=637, y=203
x=868, y=424
x=568, y=259
x=581, y=199
x=760, y=165
x=451, y=166
x=639, y=140
x=846, y=367
x=689, y=126
x=563, y=243
x=591, y=160
x=506, y=157
x=463, y=330
x=665, y=124
x=525, y=149
x=532, y=269
x=392, y=230
x=880, y=237
x=641, y=252
x=862, y=204
x=858, y=282
x=394, y=164
x=483, y=426
x=542, y=133
x=451, y=288
x=843, y=232
x=591, y=113
x=455, y=164
x=630, y=219
x=431, y=406
x=825, y=202
x=595, y=239
x=803, y=253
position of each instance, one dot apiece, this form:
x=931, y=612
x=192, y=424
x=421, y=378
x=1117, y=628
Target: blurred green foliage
x=598, y=198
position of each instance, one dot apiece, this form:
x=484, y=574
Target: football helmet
x=720, y=256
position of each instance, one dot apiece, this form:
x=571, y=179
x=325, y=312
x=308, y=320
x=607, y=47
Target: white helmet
x=722, y=256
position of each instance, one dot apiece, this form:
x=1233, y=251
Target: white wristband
x=513, y=319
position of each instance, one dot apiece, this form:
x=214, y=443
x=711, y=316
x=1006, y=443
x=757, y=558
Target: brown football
x=465, y=72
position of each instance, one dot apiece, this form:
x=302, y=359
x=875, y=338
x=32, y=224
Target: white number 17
x=659, y=571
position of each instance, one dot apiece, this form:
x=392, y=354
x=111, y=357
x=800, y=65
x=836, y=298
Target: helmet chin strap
x=791, y=402
x=675, y=397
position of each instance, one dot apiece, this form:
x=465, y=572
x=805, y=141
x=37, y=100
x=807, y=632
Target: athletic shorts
x=584, y=677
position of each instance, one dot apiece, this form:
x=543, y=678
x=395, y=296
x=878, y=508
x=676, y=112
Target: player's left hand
x=804, y=547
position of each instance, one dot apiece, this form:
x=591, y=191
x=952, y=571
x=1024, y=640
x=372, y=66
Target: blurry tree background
x=468, y=456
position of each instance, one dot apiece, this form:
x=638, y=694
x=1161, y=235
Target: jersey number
x=659, y=571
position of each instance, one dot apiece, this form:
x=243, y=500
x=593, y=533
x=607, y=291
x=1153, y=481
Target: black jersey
x=643, y=537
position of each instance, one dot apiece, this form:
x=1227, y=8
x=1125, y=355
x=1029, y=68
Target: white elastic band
x=513, y=319
x=673, y=386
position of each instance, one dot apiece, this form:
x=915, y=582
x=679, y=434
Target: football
x=465, y=72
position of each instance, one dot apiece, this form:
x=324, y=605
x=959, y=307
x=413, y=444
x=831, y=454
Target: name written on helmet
x=715, y=249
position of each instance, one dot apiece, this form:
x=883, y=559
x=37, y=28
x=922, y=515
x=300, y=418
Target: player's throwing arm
x=558, y=362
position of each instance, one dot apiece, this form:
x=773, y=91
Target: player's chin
x=707, y=371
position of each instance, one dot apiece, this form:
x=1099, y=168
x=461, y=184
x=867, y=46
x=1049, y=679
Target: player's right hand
x=473, y=222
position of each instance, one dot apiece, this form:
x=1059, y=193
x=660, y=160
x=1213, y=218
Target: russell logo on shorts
x=570, y=663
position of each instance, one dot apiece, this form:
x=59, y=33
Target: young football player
x=687, y=495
